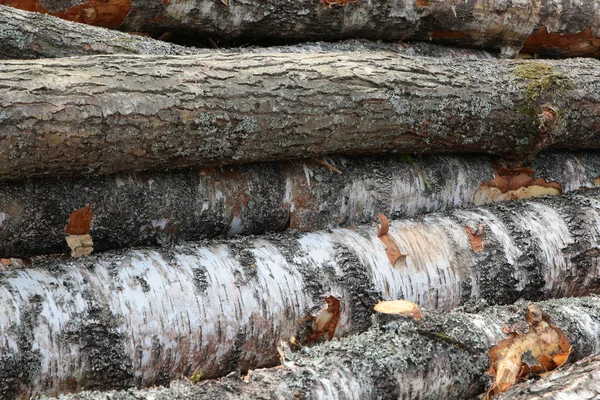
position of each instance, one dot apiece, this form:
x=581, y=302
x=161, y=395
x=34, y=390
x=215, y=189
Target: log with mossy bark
x=25, y=34
x=552, y=27
x=155, y=208
x=443, y=355
x=102, y=114
x=144, y=317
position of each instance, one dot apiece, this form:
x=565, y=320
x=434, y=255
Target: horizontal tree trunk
x=102, y=114
x=33, y=35
x=167, y=207
x=444, y=355
x=555, y=27
x=579, y=381
x=144, y=317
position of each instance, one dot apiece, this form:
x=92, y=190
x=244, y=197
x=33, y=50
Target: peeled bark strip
x=443, y=356
x=144, y=317
x=157, y=208
x=541, y=26
x=102, y=114
x=579, y=381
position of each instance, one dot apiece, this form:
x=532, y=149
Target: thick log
x=157, y=208
x=144, y=317
x=32, y=35
x=443, y=356
x=540, y=26
x=102, y=114
x=579, y=381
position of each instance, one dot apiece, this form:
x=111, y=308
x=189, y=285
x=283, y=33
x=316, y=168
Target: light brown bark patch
x=475, y=237
x=391, y=248
x=514, y=184
x=106, y=13
x=573, y=44
x=79, y=221
x=532, y=347
x=399, y=307
x=597, y=181
x=80, y=245
x=328, y=3
x=422, y=3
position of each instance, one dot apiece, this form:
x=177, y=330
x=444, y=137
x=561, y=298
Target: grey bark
x=26, y=34
x=474, y=23
x=158, y=208
x=579, y=381
x=144, y=317
x=442, y=356
x=102, y=114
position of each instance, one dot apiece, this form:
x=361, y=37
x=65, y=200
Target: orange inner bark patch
x=573, y=44
x=422, y=3
x=79, y=221
x=454, y=35
x=512, y=184
x=328, y=3
x=476, y=237
x=535, y=347
x=326, y=320
x=399, y=307
x=597, y=181
x=106, y=13
x=391, y=249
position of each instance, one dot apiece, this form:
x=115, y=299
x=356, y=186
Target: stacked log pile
x=353, y=218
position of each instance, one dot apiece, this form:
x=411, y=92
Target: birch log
x=555, y=27
x=102, y=114
x=443, y=356
x=144, y=317
x=158, y=208
x=26, y=34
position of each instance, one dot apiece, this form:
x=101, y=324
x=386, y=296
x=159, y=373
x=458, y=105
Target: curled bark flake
x=476, y=237
x=547, y=118
x=77, y=230
x=399, y=307
x=391, y=249
x=326, y=320
x=537, y=348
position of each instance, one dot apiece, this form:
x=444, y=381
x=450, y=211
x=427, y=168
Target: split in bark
x=144, y=317
x=102, y=114
x=540, y=26
x=157, y=208
x=444, y=355
x=31, y=35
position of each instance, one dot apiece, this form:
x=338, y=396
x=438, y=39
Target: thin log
x=540, y=26
x=103, y=114
x=144, y=317
x=442, y=356
x=158, y=208
x=579, y=381
x=25, y=34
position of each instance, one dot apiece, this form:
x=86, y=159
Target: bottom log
x=443, y=355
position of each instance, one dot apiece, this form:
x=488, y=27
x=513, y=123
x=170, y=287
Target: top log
x=553, y=27
x=103, y=114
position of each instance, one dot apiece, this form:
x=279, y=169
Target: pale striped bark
x=157, y=208
x=556, y=27
x=103, y=114
x=443, y=356
x=143, y=317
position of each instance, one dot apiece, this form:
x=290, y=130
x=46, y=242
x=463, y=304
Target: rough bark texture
x=144, y=317
x=102, y=114
x=26, y=34
x=148, y=208
x=443, y=356
x=580, y=381
x=555, y=27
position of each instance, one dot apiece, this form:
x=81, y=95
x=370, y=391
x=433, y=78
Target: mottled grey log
x=102, y=114
x=556, y=27
x=442, y=356
x=141, y=317
x=158, y=208
x=580, y=381
x=26, y=34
